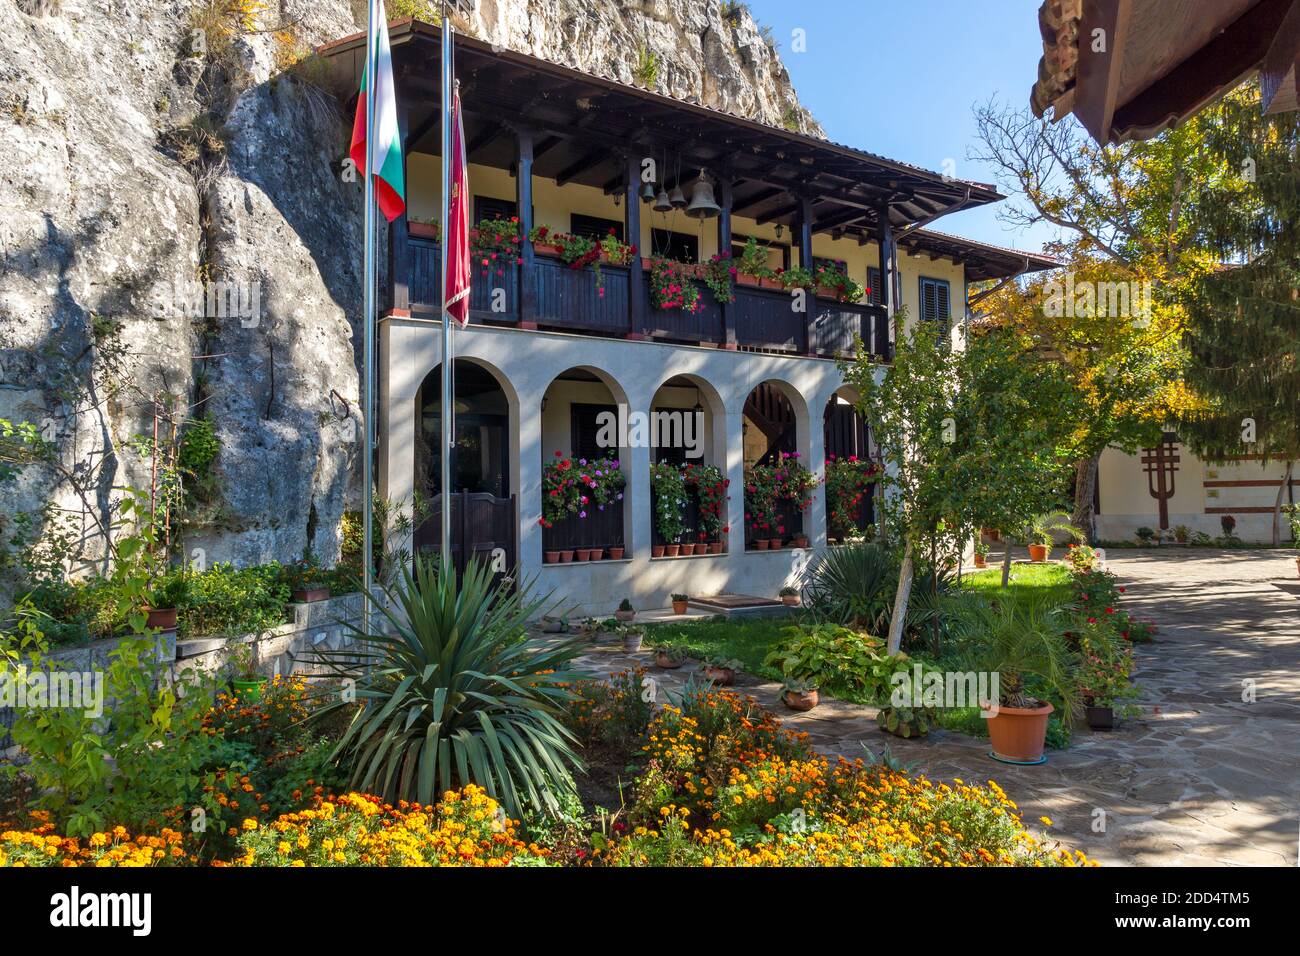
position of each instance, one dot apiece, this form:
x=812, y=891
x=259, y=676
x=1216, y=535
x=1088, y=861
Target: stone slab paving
x=1200, y=779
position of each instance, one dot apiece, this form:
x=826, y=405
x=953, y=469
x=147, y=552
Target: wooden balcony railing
x=551, y=295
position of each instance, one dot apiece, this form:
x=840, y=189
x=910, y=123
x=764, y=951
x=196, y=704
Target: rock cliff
x=175, y=238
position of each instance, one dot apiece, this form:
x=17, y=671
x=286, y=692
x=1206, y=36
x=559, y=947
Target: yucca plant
x=853, y=585
x=454, y=695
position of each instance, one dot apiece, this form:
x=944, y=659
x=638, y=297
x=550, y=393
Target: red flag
x=456, y=235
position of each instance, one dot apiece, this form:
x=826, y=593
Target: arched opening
x=480, y=461
x=688, y=480
x=852, y=469
x=484, y=466
x=584, y=453
x=778, y=484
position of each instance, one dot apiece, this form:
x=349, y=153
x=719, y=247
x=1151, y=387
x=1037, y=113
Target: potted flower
x=247, y=683
x=625, y=612
x=679, y=603
x=668, y=484
x=796, y=278
x=424, y=229
x=1105, y=664
x=305, y=578
x=543, y=244
x=833, y=282
x=494, y=244
x=632, y=638
x=790, y=596
x=719, y=274
x=1144, y=536
x=799, y=694
x=721, y=671
x=1041, y=530
x=1182, y=533
x=849, y=482
x=668, y=658
x=162, y=597
x=671, y=286
x=981, y=554
x=1025, y=646
x=753, y=269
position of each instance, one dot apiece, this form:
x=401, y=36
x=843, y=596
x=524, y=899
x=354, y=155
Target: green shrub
x=226, y=600
x=835, y=657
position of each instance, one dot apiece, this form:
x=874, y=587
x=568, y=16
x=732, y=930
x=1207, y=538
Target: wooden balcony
x=550, y=295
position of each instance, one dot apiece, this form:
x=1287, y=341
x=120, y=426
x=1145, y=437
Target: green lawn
x=1050, y=582
x=747, y=640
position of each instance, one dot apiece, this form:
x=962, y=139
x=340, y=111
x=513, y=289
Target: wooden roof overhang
x=1162, y=60
x=585, y=127
x=982, y=261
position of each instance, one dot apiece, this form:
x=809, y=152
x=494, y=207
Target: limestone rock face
x=152, y=147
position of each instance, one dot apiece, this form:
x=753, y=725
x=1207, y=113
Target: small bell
x=663, y=203
x=703, y=205
x=648, y=192
x=677, y=198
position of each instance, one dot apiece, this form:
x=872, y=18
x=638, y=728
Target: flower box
x=424, y=230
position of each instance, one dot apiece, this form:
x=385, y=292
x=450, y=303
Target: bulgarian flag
x=390, y=179
x=456, y=235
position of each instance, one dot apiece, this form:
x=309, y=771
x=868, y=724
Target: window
x=675, y=245
x=585, y=429
x=485, y=207
x=594, y=227
x=819, y=262
x=876, y=285
x=934, y=300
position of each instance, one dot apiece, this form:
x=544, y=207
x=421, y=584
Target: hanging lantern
x=664, y=203
x=703, y=205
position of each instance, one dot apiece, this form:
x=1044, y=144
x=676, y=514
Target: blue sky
x=899, y=78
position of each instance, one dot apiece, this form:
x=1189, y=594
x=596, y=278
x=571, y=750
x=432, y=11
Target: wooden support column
x=725, y=200
x=638, y=300
x=885, y=246
x=805, y=222
x=524, y=204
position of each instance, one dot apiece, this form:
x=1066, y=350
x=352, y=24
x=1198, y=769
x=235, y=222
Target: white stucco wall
x=527, y=363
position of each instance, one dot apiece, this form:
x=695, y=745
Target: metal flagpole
x=368, y=337
x=448, y=402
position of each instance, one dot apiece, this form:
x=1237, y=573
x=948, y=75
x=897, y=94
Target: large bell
x=648, y=192
x=664, y=203
x=703, y=205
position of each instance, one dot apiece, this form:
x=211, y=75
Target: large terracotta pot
x=801, y=699
x=1039, y=552
x=163, y=618
x=1017, y=733
x=721, y=676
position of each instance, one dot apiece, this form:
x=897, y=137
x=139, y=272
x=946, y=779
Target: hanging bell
x=703, y=205
x=648, y=192
x=677, y=198
x=664, y=202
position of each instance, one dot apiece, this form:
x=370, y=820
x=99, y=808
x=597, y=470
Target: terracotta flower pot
x=546, y=249
x=715, y=547
x=552, y=557
x=801, y=541
x=423, y=230
x=163, y=618
x=597, y=554
x=1100, y=718
x=616, y=554
x=774, y=544
x=744, y=278
x=801, y=699
x=666, y=662
x=656, y=551
x=980, y=561
x=720, y=676
x=760, y=544
x=624, y=616
x=679, y=607
x=583, y=554
x=790, y=600
x=672, y=550
x=1039, y=552
x=688, y=550
x=311, y=595
x=1017, y=733
x=767, y=283
x=566, y=557
x=827, y=292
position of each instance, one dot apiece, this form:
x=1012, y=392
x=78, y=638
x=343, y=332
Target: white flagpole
x=448, y=400
x=368, y=337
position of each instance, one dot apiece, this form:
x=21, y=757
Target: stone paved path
x=1201, y=778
